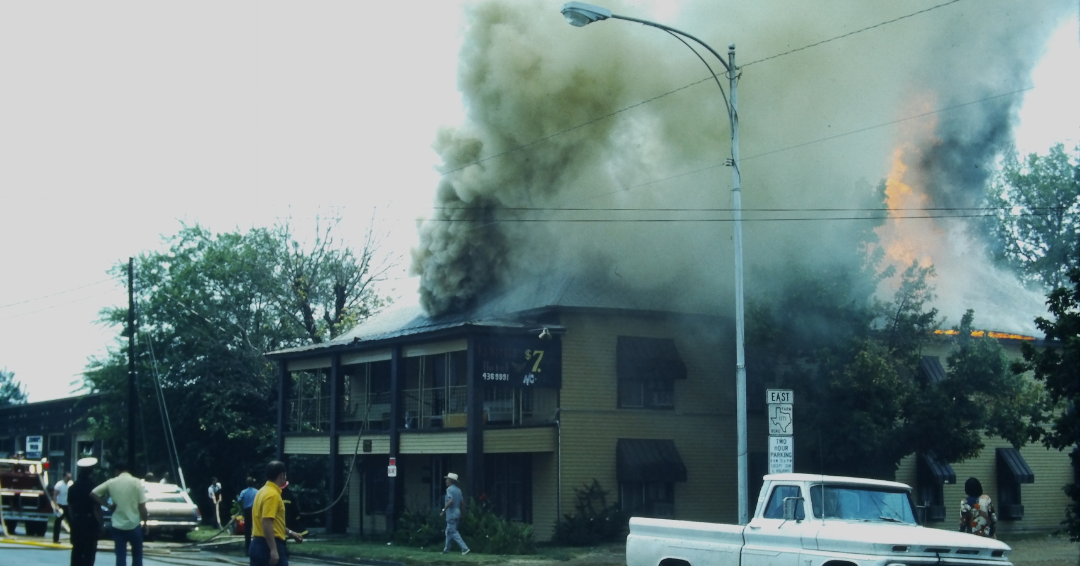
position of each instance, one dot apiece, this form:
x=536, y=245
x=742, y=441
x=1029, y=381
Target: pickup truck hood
x=906, y=540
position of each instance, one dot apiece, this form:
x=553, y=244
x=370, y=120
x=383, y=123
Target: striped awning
x=936, y=468
x=648, y=460
x=1012, y=465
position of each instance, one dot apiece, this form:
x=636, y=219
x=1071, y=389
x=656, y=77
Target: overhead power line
x=695, y=83
x=58, y=293
x=849, y=34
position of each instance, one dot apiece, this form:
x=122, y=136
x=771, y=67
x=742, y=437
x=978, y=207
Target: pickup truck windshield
x=861, y=504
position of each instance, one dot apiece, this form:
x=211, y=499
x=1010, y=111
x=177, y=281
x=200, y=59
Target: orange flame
x=913, y=240
x=989, y=334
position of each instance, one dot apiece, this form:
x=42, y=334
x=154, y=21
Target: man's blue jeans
x=259, y=553
x=121, y=539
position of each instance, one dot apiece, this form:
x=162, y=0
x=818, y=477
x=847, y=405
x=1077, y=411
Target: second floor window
x=646, y=371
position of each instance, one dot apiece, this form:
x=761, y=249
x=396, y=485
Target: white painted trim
x=432, y=348
x=365, y=357
x=312, y=363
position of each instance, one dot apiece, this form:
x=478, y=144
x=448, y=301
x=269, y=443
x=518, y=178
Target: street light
x=580, y=14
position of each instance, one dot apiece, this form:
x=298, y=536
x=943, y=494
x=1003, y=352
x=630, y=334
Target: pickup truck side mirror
x=791, y=508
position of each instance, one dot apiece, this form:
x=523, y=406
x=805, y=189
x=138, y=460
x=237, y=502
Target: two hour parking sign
x=780, y=413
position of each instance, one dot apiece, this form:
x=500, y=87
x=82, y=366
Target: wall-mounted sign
x=519, y=361
x=34, y=446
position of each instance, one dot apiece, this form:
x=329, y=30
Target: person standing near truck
x=60, y=496
x=128, y=521
x=84, y=515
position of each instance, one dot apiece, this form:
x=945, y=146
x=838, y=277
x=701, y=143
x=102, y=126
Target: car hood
x=907, y=540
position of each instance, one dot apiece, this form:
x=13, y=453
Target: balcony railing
x=431, y=408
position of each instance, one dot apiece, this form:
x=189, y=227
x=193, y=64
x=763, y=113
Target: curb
x=345, y=561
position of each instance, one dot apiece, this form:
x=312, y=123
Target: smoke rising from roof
x=526, y=75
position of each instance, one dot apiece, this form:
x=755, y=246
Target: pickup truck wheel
x=674, y=562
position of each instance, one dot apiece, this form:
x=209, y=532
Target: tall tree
x=1058, y=367
x=1036, y=224
x=11, y=391
x=208, y=309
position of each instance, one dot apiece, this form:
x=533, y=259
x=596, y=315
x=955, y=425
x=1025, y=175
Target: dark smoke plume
x=525, y=75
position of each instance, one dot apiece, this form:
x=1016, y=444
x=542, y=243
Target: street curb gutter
x=345, y=561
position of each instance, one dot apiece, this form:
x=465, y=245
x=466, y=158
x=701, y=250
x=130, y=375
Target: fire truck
x=24, y=494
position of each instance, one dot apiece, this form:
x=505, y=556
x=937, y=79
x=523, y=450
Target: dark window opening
x=365, y=397
x=508, y=492
x=1012, y=471
x=648, y=499
x=647, y=369
x=376, y=486
x=931, y=475
x=309, y=401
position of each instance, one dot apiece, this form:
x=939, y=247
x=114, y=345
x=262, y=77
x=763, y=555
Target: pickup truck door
x=769, y=539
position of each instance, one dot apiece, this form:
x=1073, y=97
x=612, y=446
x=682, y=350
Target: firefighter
x=85, y=515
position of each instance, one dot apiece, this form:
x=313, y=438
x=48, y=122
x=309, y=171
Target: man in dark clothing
x=84, y=515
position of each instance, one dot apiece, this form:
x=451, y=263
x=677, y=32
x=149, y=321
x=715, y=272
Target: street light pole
x=580, y=14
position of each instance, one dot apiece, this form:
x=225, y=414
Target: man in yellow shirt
x=268, y=521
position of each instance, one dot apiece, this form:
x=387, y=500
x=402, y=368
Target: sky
x=121, y=121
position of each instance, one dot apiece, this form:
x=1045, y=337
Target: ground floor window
x=376, y=487
x=508, y=479
x=648, y=499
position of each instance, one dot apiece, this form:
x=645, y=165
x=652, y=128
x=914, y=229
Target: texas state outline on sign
x=781, y=418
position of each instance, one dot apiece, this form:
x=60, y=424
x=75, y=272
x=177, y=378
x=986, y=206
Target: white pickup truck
x=814, y=520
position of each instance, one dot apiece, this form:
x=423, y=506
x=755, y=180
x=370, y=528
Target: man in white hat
x=84, y=515
x=452, y=510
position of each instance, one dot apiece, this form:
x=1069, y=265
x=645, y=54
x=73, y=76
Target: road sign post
x=780, y=403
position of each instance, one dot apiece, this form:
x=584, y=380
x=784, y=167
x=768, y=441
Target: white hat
x=451, y=476
x=86, y=462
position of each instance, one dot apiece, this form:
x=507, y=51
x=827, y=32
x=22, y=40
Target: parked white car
x=814, y=520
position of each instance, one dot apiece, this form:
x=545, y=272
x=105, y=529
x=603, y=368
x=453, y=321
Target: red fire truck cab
x=24, y=494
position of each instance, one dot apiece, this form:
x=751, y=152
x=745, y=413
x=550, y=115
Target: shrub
x=486, y=532
x=483, y=530
x=594, y=520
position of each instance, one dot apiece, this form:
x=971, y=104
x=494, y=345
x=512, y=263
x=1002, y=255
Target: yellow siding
x=307, y=444
x=702, y=424
x=540, y=439
x=380, y=444
x=433, y=443
x=545, y=484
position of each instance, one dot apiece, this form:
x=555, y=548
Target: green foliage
x=421, y=530
x=487, y=533
x=593, y=521
x=854, y=363
x=1036, y=227
x=1058, y=367
x=208, y=308
x=483, y=530
x=11, y=391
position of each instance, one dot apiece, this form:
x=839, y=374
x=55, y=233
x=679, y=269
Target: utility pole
x=131, y=366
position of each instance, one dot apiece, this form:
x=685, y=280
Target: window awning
x=641, y=460
x=648, y=358
x=939, y=470
x=931, y=369
x=1013, y=466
